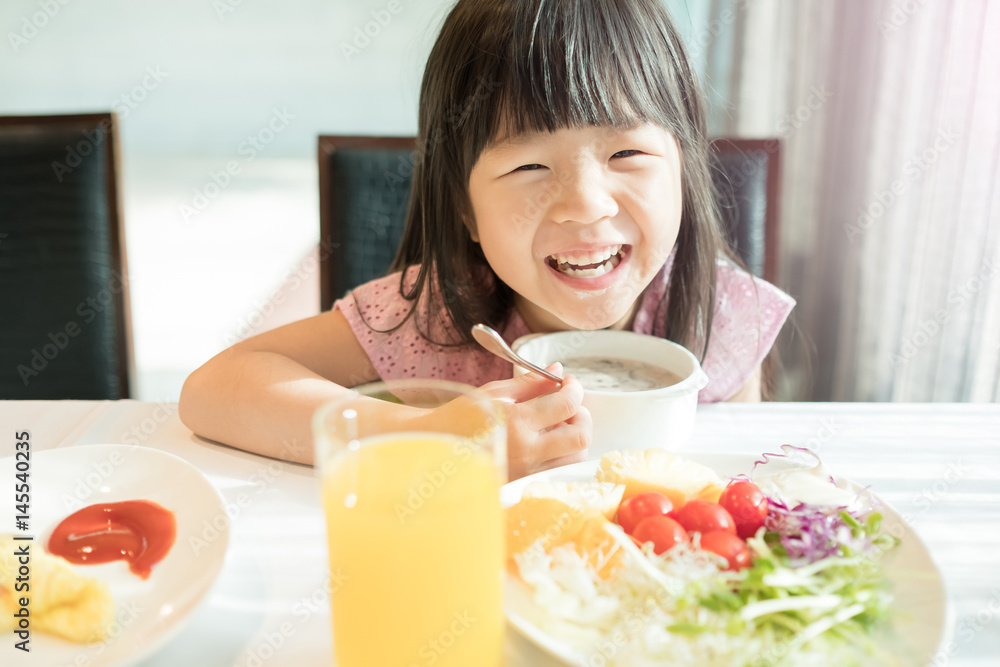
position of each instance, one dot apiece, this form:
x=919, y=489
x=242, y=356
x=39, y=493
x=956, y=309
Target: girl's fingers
x=547, y=426
x=529, y=451
x=551, y=409
x=569, y=439
x=524, y=387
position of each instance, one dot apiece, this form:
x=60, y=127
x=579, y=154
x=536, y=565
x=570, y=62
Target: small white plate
x=149, y=612
x=925, y=622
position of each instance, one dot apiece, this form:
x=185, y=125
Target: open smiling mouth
x=588, y=265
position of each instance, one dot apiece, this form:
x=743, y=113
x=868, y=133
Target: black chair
x=364, y=187
x=747, y=178
x=66, y=330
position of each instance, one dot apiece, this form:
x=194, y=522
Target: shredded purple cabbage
x=812, y=532
x=808, y=532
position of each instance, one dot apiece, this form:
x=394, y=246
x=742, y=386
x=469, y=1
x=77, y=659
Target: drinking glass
x=411, y=473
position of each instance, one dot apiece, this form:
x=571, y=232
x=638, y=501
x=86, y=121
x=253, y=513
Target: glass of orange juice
x=411, y=493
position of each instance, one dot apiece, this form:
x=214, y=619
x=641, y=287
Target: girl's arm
x=260, y=394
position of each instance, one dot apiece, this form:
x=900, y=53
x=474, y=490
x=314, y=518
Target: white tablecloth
x=936, y=463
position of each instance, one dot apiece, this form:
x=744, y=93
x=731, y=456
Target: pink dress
x=749, y=313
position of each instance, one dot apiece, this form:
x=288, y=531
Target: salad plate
x=149, y=612
x=921, y=617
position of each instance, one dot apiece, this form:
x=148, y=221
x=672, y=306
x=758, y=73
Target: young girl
x=562, y=182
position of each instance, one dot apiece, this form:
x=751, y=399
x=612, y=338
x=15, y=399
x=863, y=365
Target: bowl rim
x=693, y=383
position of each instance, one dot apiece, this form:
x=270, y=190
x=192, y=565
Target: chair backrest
x=747, y=177
x=66, y=330
x=365, y=185
x=364, y=189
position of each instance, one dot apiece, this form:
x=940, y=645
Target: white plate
x=925, y=624
x=151, y=611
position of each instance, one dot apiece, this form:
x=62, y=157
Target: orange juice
x=416, y=538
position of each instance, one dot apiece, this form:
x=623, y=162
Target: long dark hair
x=505, y=67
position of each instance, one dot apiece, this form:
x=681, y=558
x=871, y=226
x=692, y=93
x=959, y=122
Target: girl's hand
x=546, y=426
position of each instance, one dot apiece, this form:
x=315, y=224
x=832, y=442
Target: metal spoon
x=491, y=340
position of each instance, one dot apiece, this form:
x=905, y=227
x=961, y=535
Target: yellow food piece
x=677, y=478
x=62, y=602
x=601, y=550
x=548, y=521
x=543, y=523
x=582, y=496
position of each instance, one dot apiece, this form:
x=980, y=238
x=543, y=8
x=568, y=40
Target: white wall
x=225, y=71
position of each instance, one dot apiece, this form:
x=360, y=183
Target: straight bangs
x=554, y=64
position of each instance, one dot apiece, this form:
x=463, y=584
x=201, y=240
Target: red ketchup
x=138, y=531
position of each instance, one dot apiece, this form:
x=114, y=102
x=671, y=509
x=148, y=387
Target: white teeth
x=588, y=258
x=607, y=266
x=589, y=273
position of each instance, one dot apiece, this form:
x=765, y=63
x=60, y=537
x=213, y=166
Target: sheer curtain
x=890, y=115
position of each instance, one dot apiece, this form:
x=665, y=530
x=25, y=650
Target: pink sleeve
x=749, y=313
x=374, y=308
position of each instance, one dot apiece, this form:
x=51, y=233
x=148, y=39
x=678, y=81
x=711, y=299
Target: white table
x=937, y=463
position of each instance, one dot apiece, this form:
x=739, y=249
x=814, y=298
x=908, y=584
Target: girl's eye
x=529, y=167
x=627, y=153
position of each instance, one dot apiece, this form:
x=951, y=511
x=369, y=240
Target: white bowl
x=627, y=419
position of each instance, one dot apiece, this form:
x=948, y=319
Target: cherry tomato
x=662, y=531
x=640, y=507
x=748, y=506
x=727, y=545
x=704, y=516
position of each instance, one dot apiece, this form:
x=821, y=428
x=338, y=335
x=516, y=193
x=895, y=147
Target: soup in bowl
x=642, y=391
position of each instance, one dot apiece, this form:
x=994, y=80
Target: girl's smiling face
x=578, y=221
